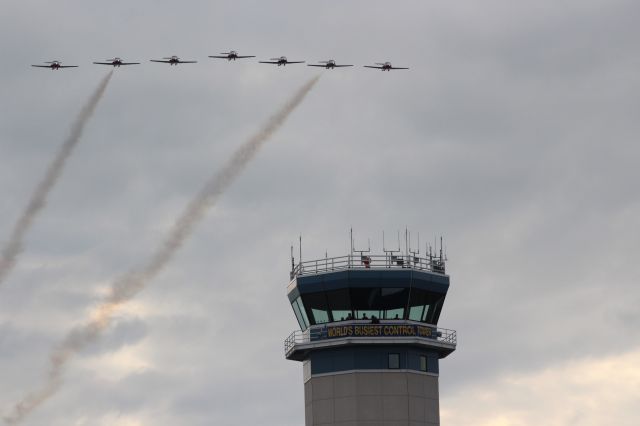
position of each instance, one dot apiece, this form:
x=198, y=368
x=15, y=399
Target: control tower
x=368, y=340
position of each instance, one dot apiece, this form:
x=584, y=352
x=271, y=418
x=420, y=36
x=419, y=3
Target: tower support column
x=367, y=398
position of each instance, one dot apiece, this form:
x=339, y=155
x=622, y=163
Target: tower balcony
x=368, y=262
x=300, y=343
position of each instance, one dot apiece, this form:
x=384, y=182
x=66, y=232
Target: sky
x=514, y=135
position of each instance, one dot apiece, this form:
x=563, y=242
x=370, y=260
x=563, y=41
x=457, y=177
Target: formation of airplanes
x=231, y=55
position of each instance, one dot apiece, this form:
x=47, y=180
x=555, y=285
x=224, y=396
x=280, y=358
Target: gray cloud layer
x=513, y=134
x=37, y=202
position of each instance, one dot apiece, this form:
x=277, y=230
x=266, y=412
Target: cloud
x=590, y=391
x=514, y=134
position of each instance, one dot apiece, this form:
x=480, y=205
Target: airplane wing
x=188, y=62
x=267, y=62
x=315, y=65
x=68, y=66
x=41, y=66
x=240, y=57
x=103, y=63
x=158, y=60
x=343, y=66
x=296, y=62
x=130, y=63
x=225, y=57
x=371, y=66
x=399, y=68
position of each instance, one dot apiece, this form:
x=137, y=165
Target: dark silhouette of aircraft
x=116, y=62
x=385, y=66
x=54, y=65
x=231, y=55
x=173, y=60
x=330, y=64
x=281, y=61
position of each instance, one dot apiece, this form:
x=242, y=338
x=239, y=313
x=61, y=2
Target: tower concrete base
x=372, y=398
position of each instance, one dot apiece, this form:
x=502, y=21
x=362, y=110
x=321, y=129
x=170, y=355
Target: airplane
x=330, y=64
x=173, y=60
x=116, y=62
x=282, y=60
x=55, y=65
x=231, y=55
x=385, y=66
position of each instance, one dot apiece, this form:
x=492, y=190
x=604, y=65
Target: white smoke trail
x=9, y=253
x=125, y=288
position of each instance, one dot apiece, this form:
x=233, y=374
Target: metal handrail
x=315, y=333
x=361, y=261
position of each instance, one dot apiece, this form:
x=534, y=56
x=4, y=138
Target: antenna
x=354, y=249
x=293, y=268
x=384, y=249
x=351, y=238
x=406, y=242
x=300, y=247
x=412, y=251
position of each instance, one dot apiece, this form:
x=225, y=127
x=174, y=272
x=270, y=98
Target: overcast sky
x=514, y=135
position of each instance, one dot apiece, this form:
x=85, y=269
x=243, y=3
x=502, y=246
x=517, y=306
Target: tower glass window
x=419, y=304
x=415, y=312
x=316, y=307
x=296, y=310
x=423, y=363
x=301, y=315
x=320, y=316
x=394, y=313
x=339, y=303
x=394, y=361
x=425, y=314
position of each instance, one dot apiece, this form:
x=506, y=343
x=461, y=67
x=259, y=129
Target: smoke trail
x=10, y=252
x=133, y=282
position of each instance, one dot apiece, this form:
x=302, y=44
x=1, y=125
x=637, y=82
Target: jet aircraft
x=54, y=65
x=385, y=66
x=173, y=60
x=281, y=61
x=116, y=62
x=330, y=64
x=231, y=55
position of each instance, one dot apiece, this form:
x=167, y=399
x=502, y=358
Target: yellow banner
x=378, y=330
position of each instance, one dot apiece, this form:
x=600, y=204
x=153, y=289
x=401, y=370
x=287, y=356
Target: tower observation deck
x=369, y=339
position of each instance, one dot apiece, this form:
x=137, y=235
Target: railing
x=355, y=261
x=323, y=332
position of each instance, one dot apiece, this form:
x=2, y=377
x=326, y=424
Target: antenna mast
x=351, y=238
